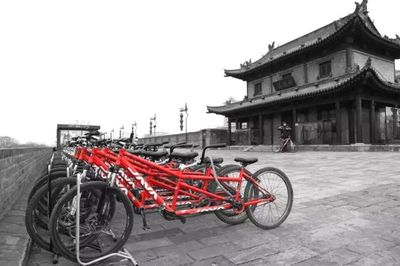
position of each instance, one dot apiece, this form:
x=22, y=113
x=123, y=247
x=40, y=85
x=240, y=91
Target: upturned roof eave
x=242, y=73
x=222, y=110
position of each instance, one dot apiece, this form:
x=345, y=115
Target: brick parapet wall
x=18, y=168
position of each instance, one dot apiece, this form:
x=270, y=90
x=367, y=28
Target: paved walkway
x=346, y=211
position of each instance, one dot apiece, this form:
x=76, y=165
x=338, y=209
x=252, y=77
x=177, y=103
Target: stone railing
x=19, y=167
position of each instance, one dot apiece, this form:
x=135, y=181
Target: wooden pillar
x=305, y=74
x=358, y=119
x=349, y=59
x=260, y=129
x=271, y=84
x=229, y=131
x=58, y=139
x=338, y=123
x=272, y=129
x=372, y=121
x=294, y=129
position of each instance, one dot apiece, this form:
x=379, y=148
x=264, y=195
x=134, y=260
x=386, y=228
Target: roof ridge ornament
x=271, y=46
x=368, y=63
x=246, y=64
x=361, y=8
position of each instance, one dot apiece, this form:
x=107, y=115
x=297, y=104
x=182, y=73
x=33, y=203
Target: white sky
x=115, y=62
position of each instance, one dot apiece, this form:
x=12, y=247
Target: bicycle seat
x=216, y=160
x=183, y=156
x=245, y=161
x=154, y=155
x=135, y=152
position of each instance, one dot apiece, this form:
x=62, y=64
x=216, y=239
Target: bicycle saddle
x=245, y=161
x=216, y=160
x=184, y=156
x=154, y=155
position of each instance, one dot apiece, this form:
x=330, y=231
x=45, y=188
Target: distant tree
x=8, y=142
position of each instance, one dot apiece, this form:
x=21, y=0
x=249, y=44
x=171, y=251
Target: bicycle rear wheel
x=230, y=216
x=102, y=231
x=268, y=215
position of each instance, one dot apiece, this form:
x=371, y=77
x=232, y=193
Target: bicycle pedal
x=182, y=219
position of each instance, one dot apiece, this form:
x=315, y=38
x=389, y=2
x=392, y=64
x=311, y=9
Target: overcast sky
x=112, y=63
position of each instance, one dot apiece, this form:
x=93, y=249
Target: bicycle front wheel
x=268, y=215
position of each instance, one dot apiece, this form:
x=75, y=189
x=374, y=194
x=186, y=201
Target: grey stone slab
x=189, y=246
x=213, y=251
x=256, y=262
x=250, y=254
x=379, y=258
x=341, y=256
x=158, y=234
x=369, y=245
x=168, y=261
x=215, y=261
x=291, y=256
x=132, y=244
x=196, y=235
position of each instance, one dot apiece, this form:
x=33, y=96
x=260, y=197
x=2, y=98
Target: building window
x=325, y=69
x=286, y=76
x=287, y=81
x=257, y=89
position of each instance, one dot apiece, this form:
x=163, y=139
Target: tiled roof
x=326, y=86
x=311, y=39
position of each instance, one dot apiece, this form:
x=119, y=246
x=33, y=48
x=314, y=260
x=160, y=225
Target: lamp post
x=111, y=134
x=185, y=109
x=133, y=132
x=153, y=124
x=121, y=131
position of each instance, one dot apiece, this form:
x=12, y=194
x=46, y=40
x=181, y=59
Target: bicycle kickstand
x=145, y=225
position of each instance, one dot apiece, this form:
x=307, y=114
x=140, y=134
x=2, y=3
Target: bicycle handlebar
x=218, y=145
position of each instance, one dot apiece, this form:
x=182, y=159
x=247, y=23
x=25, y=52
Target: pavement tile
x=250, y=254
x=341, y=256
x=213, y=251
x=366, y=245
x=291, y=256
x=132, y=244
x=256, y=262
x=215, y=261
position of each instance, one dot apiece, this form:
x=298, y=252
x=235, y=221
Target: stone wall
x=203, y=137
x=18, y=168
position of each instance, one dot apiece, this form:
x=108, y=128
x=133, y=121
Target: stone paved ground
x=346, y=212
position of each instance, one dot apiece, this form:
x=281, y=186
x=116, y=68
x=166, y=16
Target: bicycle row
x=117, y=180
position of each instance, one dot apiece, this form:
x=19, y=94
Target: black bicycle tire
x=72, y=193
x=227, y=216
x=288, y=184
x=43, y=180
x=30, y=228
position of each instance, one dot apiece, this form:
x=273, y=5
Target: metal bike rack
x=122, y=253
x=50, y=206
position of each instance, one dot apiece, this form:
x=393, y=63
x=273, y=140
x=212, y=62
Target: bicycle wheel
x=43, y=181
x=292, y=147
x=230, y=216
x=36, y=219
x=276, y=148
x=101, y=232
x=270, y=214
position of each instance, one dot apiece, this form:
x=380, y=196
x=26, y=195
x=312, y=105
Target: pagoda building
x=335, y=85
